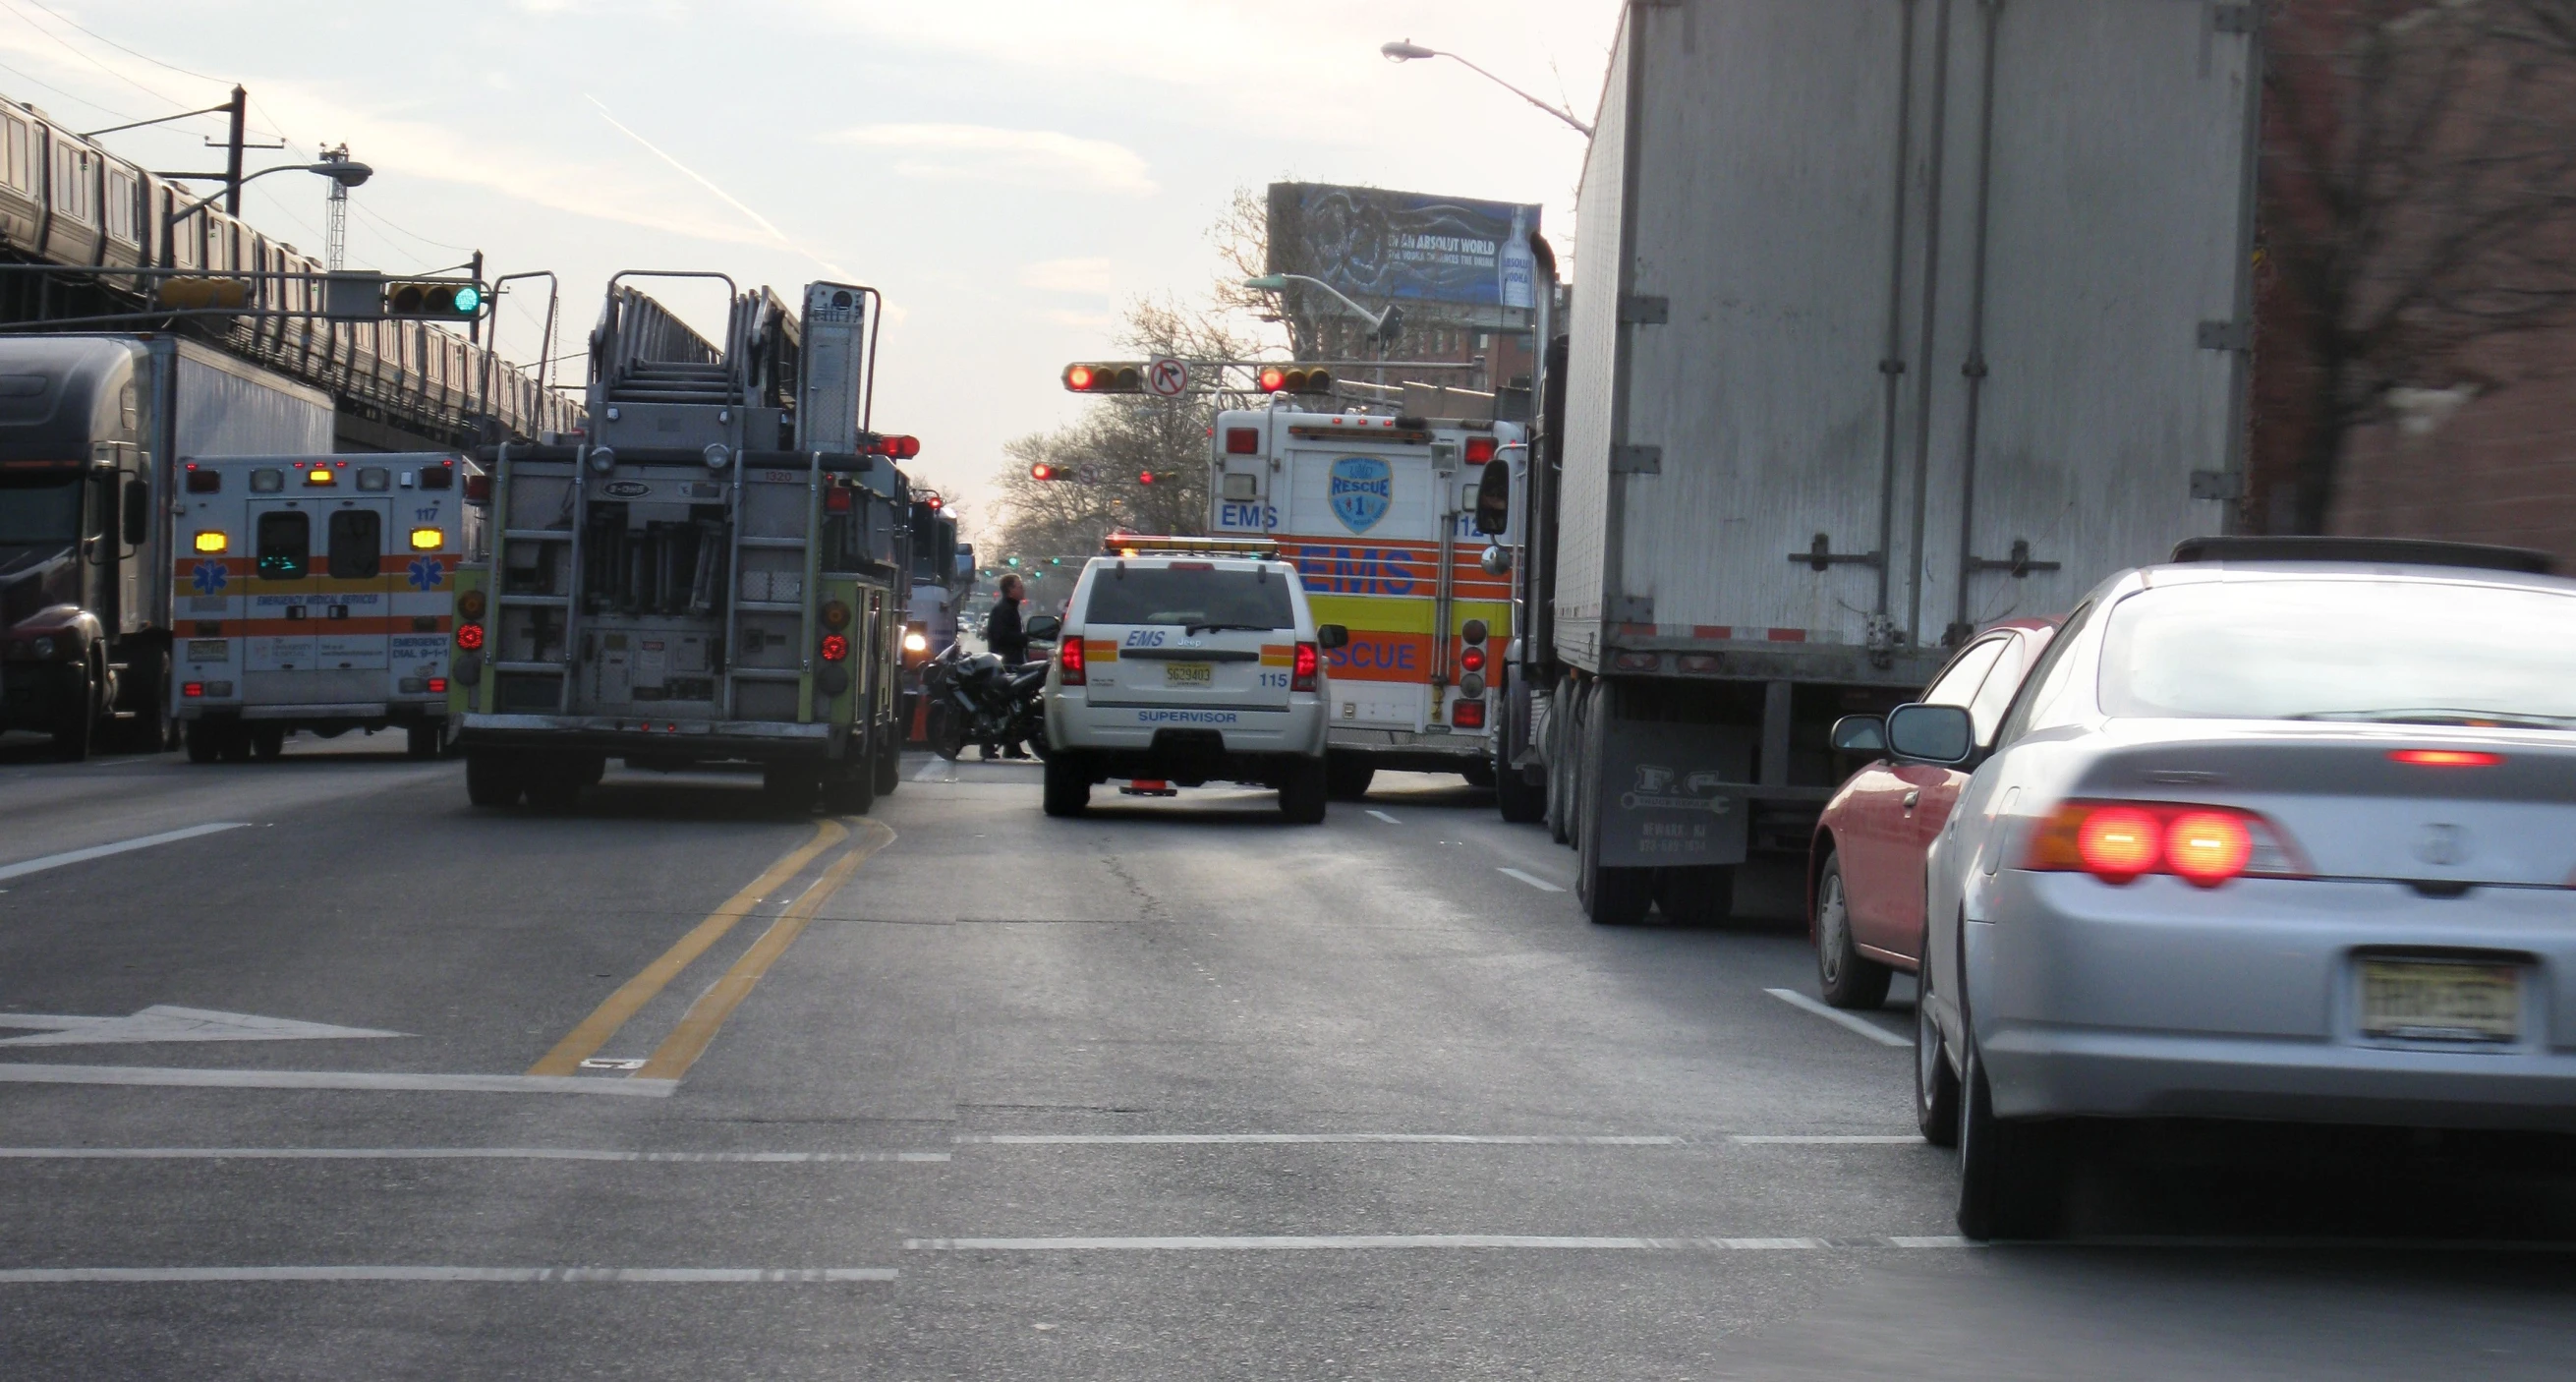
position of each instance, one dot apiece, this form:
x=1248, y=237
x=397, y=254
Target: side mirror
x=1494, y=500
x=1043, y=628
x=1931, y=733
x=1330, y=636
x=138, y=513
x=1861, y=734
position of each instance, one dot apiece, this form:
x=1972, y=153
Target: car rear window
x=1254, y=599
x=2395, y=651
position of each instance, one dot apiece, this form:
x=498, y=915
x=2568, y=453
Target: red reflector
x=2446, y=758
x=836, y=500
x=438, y=686
x=1468, y=714
x=1301, y=677
x=194, y=688
x=1243, y=441
x=835, y=647
x=1069, y=660
x=1479, y=450
x=1473, y=660
x=469, y=636
x=1636, y=662
x=2118, y=842
x=478, y=488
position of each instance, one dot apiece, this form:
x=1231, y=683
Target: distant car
x=2284, y=830
x=1188, y=661
x=1865, y=868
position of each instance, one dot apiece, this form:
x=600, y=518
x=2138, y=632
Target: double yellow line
x=705, y=1017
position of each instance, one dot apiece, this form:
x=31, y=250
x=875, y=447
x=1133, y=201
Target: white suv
x=1188, y=669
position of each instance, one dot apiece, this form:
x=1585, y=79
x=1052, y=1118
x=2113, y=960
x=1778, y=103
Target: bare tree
x=2418, y=210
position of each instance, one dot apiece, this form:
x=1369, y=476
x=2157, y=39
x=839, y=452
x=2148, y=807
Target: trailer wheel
x=1520, y=800
x=267, y=741
x=235, y=742
x=1610, y=896
x=205, y=741
x=492, y=779
x=887, y=762
x=1697, y=895
x=1560, y=710
x=850, y=786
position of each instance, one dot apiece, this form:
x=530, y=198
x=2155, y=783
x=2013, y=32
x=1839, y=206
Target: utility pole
x=474, y=328
x=335, y=216
x=240, y=112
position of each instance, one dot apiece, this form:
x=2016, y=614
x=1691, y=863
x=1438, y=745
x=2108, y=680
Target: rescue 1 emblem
x=209, y=577
x=1362, y=488
x=427, y=573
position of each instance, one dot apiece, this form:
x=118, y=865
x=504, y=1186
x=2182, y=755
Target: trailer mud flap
x=1671, y=794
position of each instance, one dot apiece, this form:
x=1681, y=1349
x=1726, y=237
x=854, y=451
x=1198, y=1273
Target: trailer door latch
x=2018, y=562
x=1820, y=555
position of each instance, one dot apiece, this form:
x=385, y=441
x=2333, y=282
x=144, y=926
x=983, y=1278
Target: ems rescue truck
x=1377, y=514
x=314, y=592
x=714, y=576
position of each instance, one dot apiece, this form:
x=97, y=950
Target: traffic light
x=894, y=448
x=1295, y=379
x=1104, y=378
x=1045, y=470
x=1010, y=561
x=433, y=299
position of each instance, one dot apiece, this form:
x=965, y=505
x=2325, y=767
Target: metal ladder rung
x=771, y=606
x=538, y=535
x=775, y=544
x=763, y=673
x=551, y=669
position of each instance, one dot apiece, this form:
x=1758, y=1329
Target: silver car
x=2284, y=830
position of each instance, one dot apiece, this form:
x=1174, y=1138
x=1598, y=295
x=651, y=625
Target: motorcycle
x=976, y=698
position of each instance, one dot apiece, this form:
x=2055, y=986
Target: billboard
x=1381, y=245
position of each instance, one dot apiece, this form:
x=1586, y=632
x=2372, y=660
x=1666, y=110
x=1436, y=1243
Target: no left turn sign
x=1166, y=376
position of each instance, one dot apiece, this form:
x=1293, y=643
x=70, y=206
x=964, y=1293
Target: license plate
x=2441, y=1000
x=1189, y=674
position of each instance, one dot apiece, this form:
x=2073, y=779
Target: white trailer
x=1890, y=318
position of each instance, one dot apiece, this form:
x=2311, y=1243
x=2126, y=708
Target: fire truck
x=714, y=576
x=314, y=592
x=1378, y=514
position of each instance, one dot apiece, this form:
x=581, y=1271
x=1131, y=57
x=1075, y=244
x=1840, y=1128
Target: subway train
x=66, y=201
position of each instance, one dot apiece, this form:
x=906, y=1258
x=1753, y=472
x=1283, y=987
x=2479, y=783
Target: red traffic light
x=1044, y=471
x=1294, y=379
x=897, y=448
x=1110, y=378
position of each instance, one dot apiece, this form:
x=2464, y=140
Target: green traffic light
x=469, y=299
x=1010, y=561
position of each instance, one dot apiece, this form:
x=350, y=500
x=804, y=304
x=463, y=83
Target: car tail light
x=1479, y=450
x=469, y=637
x=1242, y=441
x=438, y=686
x=1301, y=677
x=2122, y=841
x=1467, y=714
x=193, y=689
x=835, y=648
x=204, y=481
x=1068, y=657
x=439, y=476
x=2445, y=758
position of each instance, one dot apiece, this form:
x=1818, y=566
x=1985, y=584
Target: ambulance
x=315, y=592
x=1378, y=515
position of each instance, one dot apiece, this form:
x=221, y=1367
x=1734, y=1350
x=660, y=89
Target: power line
x=60, y=42
x=112, y=43
x=68, y=96
x=413, y=234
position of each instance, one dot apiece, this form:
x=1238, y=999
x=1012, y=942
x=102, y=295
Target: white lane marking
x=1194, y=1139
x=1381, y=815
x=630, y=1087
x=1828, y=1140
x=439, y=1154
x=1532, y=879
x=1328, y=1242
x=665, y=1275
x=1840, y=1018
x=933, y=770
x=55, y=861
x=162, y=1022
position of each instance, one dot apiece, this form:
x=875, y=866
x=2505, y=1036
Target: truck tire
x=1305, y=790
x=554, y=781
x=887, y=762
x=850, y=786
x=235, y=742
x=492, y=778
x=205, y=741
x=267, y=741
x=1068, y=785
x=1520, y=800
x=422, y=740
x=1610, y=896
x=1696, y=895
x=76, y=723
x=1845, y=977
x=1347, y=776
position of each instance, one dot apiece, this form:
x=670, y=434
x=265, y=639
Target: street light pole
x=347, y=173
x=1409, y=51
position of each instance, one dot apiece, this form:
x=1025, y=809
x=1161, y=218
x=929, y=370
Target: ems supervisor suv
x=1184, y=661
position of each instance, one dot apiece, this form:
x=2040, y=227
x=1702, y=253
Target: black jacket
x=1002, y=632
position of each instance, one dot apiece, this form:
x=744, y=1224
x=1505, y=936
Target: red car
x=1865, y=868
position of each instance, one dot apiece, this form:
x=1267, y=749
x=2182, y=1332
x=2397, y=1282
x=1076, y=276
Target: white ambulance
x=1378, y=515
x=315, y=592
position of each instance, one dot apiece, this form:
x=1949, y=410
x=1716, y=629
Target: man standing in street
x=1004, y=639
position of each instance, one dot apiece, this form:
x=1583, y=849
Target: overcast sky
x=1009, y=172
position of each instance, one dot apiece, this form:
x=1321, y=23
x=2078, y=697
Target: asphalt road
x=671, y=1087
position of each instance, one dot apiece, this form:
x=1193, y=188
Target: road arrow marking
x=162, y=1022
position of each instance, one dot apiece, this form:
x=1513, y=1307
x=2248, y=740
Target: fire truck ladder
x=805, y=606
x=505, y=475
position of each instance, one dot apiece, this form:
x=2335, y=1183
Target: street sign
x=1167, y=377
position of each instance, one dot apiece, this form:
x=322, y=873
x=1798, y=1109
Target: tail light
x=1301, y=677
x=1242, y=441
x=204, y=481
x=439, y=476
x=1479, y=450
x=193, y=689
x=1467, y=713
x=469, y=637
x=1069, y=659
x=2122, y=841
x=438, y=686
x=835, y=648
x=2445, y=758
